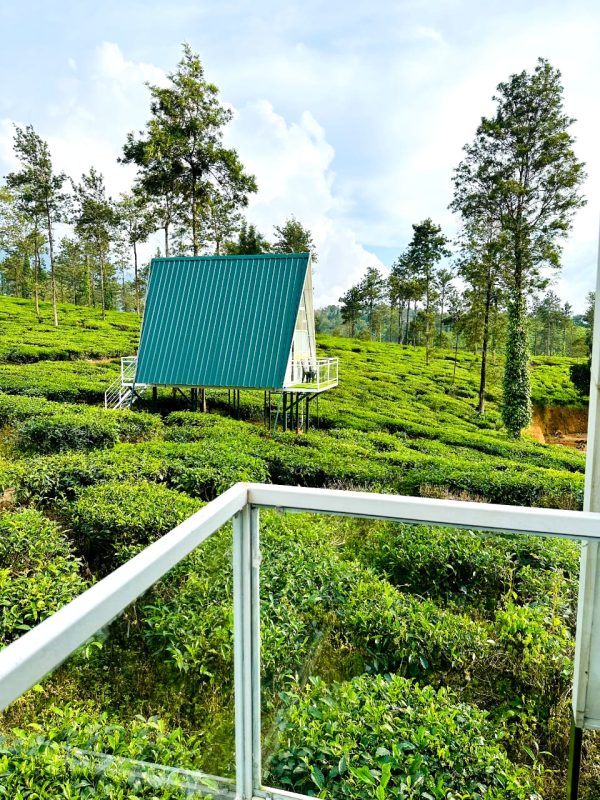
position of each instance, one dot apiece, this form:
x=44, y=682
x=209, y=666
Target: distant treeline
x=373, y=310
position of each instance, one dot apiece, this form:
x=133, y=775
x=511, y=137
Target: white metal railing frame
x=27, y=660
x=121, y=389
x=128, y=369
x=313, y=374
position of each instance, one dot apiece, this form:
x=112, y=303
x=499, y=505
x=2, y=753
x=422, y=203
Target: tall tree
x=96, y=221
x=249, y=242
x=40, y=190
x=425, y=250
x=482, y=265
x=136, y=225
x=352, y=305
x=444, y=280
x=221, y=219
x=521, y=170
x=293, y=237
x=181, y=155
x=372, y=288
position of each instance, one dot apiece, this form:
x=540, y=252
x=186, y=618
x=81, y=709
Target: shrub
x=38, y=571
x=111, y=520
x=580, y=375
x=62, y=762
x=394, y=632
x=469, y=568
x=64, y=381
x=387, y=737
x=53, y=479
x=41, y=426
x=60, y=432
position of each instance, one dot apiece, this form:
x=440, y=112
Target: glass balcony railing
x=210, y=652
x=313, y=374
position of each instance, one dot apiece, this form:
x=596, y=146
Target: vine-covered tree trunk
x=516, y=403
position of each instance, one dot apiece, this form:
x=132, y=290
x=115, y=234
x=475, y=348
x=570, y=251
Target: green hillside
x=440, y=659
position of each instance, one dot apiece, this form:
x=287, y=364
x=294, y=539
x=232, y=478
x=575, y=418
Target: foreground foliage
x=387, y=737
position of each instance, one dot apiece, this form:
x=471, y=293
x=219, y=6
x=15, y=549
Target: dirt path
x=560, y=425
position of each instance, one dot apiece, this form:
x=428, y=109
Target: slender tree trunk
x=166, y=239
x=455, y=355
x=52, y=275
x=194, y=221
x=484, y=345
x=102, y=295
x=441, y=315
x=90, y=283
x=400, y=313
x=136, y=280
x=36, y=277
x=407, y=322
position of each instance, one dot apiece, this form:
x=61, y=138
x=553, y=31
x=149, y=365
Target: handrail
x=33, y=655
x=313, y=374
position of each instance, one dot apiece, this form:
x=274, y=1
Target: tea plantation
x=398, y=661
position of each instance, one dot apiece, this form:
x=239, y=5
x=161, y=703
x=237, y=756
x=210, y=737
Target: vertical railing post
x=255, y=645
x=246, y=646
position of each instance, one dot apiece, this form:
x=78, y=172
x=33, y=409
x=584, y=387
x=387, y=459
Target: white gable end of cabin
x=305, y=372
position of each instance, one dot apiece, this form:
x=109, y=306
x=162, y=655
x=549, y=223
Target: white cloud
x=8, y=160
x=292, y=163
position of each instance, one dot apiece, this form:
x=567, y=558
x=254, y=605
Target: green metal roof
x=220, y=320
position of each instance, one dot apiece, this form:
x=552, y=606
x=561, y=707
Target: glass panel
x=411, y=660
x=144, y=709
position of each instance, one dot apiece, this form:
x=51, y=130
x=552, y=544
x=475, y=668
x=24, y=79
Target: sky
x=352, y=116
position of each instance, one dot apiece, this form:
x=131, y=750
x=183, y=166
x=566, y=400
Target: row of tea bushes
x=471, y=569
x=82, y=333
x=68, y=382
x=66, y=761
x=204, y=460
x=112, y=521
x=40, y=426
x=340, y=615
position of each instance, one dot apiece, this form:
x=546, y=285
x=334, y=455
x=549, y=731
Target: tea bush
x=386, y=737
x=41, y=426
x=54, y=434
x=73, y=381
x=110, y=519
x=61, y=762
x=468, y=568
x=38, y=571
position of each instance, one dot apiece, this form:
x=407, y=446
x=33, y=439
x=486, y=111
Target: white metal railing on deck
x=128, y=368
x=27, y=660
x=312, y=374
x=120, y=390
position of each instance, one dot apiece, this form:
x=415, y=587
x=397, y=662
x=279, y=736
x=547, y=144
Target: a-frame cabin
x=230, y=322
